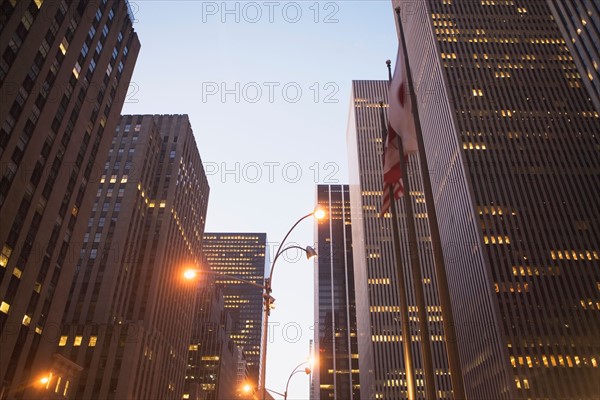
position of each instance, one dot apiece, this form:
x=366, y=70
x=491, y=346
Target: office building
x=579, y=22
x=335, y=373
x=511, y=145
x=64, y=72
x=128, y=321
x=382, y=367
x=215, y=364
x=241, y=255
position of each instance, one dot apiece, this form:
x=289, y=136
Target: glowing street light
x=318, y=213
x=268, y=300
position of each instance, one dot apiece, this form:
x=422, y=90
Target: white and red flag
x=392, y=172
x=400, y=123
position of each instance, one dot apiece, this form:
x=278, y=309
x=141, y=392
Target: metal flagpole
x=409, y=367
x=417, y=279
x=439, y=267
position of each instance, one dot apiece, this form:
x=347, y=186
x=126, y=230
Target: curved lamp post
x=306, y=370
x=268, y=300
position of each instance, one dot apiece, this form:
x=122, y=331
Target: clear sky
x=267, y=87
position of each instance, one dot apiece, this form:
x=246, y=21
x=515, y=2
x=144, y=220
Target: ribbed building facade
x=243, y=256
x=129, y=317
x=382, y=371
x=512, y=149
x=579, y=21
x=64, y=71
x=336, y=373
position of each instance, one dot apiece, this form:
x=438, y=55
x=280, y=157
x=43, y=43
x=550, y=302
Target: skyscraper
x=579, y=22
x=382, y=366
x=241, y=255
x=64, y=72
x=511, y=145
x=335, y=374
x=129, y=316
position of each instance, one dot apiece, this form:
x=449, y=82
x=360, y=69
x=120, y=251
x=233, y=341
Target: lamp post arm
x=294, y=372
x=274, y=391
x=279, y=250
x=233, y=278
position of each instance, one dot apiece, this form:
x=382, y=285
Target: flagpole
x=409, y=367
x=417, y=278
x=439, y=267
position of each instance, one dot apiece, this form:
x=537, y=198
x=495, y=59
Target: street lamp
x=266, y=288
x=268, y=300
x=306, y=370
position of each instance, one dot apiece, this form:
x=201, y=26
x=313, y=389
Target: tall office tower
x=241, y=255
x=128, y=320
x=511, y=144
x=382, y=368
x=214, y=360
x=579, y=22
x=335, y=374
x=64, y=72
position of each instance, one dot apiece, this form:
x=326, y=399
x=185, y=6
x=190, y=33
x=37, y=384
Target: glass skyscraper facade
x=511, y=143
x=579, y=21
x=241, y=255
x=336, y=370
x=382, y=366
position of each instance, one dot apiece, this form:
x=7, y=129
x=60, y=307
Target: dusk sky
x=267, y=89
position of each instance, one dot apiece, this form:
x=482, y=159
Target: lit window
x=93, y=340
x=6, y=252
x=64, y=45
x=77, y=341
x=26, y=320
x=124, y=179
x=4, y=307
x=63, y=341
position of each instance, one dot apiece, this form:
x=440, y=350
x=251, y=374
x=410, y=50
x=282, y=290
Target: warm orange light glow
x=190, y=274
x=44, y=380
x=319, y=213
x=312, y=361
x=247, y=388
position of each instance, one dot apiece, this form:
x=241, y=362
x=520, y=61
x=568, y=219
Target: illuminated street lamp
x=266, y=288
x=318, y=213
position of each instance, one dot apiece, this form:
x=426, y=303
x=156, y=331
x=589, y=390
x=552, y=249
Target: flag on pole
x=400, y=114
x=392, y=173
x=401, y=123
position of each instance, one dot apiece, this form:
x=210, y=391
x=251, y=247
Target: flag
x=401, y=123
x=400, y=115
x=392, y=172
